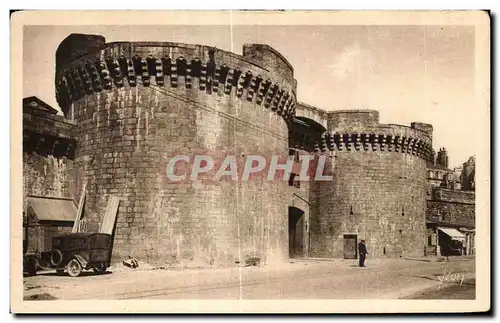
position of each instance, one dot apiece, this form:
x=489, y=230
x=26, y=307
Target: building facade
x=48, y=178
x=130, y=106
x=450, y=207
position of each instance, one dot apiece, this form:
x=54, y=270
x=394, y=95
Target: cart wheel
x=56, y=257
x=74, y=268
x=100, y=270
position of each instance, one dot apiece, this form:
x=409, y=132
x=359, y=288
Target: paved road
x=339, y=279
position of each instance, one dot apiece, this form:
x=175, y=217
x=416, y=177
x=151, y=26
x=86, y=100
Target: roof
x=35, y=103
x=452, y=233
x=52, y=209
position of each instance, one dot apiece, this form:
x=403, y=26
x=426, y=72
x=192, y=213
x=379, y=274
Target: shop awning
x=52, y=209
x=452, y=233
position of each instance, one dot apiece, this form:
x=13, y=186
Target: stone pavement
x=299, y=279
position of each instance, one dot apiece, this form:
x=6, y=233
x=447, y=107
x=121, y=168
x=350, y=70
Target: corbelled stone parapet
x=354, y=130
x=103, y=67
x=48, y=134
x=45, y=145
x=376, y=142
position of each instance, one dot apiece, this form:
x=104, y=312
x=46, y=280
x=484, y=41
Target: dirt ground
x=301, y=279
x=465, y=290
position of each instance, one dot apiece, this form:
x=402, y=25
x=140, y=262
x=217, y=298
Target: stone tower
x=442, y=158
x=378, y=191
x=137, y=104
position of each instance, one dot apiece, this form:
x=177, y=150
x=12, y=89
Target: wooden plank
x=78, y=217
x=108, y=222
x=83, y=226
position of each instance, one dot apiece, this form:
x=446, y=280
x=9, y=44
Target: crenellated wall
x=352, y=119
x=456, y=208
x=139, y=104
x=48, y=153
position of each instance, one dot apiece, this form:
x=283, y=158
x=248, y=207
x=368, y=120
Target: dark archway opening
x=295, y=232
x=305, y=134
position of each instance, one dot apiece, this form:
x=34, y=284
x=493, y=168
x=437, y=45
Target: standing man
x=362, y=253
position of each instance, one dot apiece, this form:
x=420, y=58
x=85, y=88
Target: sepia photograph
x=250, y=161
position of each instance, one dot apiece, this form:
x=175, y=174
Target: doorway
x=295, y=232
x=350, y=243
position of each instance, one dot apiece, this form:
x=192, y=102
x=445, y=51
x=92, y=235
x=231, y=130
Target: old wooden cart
x=75, y=252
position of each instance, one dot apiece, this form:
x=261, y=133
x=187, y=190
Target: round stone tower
x=138, y=104
x=378, y=187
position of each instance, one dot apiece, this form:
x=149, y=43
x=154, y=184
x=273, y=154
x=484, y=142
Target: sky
x=407, y=73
